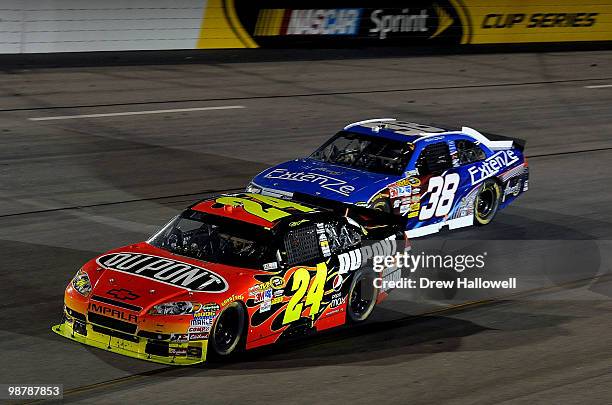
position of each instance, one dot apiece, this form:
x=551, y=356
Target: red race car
x=231, y=272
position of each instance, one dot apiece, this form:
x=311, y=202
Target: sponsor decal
x=400, y=191
x=275, y=282
x=296, y=223
x=198, y=336
x=204, y=315
x=179, y=338
x=112, y=312
x=408, y=181
x=231, y=299
x=271, y=265
x=559, y=21
x=353, y=260
x=349, y=261
x=337, y=284
x=336, y=300
x=326, y=182
x=206, y=310
x=122, y=294
x=265, y=295
x=198, y=329
x=390, y=274
x=203, y=321
x=323, y=242
x=335, y=21
x=540, y=20
x=492, y=165
x=418, y=21
x=194, y=351
x=265, y=306
x=398, y=22
x=512, y=190
x=177, y=352
x=168, y=271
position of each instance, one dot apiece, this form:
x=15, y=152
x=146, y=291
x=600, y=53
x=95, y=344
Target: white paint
x=599, y=86
x=460, y=222
x=34, y=26
x=493, y=145
x=354, y=124
x=117, y=114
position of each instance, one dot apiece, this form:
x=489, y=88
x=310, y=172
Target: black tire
x=362, y=297
x=486, y=202
x=227, y=332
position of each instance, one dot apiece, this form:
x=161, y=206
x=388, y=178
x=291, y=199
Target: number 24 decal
x=301, y=280
x=441, y=195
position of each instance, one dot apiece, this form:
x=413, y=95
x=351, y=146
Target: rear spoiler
x=516, y=142
x=368, y=217
x=492, y=141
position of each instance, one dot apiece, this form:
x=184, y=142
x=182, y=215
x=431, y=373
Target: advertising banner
x=502, y=22
x=353, y=23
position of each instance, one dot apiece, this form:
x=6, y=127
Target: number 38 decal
x=441, y=196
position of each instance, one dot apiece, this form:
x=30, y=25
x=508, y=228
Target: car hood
x=141, y=276
x=324, y=180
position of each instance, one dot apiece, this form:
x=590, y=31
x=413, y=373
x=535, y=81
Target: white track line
x=117, y=114
x=599, y=86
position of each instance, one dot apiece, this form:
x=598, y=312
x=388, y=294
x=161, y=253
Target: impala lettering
x=113, y=313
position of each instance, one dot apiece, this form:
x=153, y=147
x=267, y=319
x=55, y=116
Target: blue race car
x=434, y=176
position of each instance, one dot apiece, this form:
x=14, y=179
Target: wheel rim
x=227, y=330
x=360, y=303
x=485, y=203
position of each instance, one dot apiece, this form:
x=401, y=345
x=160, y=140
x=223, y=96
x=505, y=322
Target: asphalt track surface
x=72, y=188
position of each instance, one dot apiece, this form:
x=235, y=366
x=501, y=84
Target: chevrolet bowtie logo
x=123, y=294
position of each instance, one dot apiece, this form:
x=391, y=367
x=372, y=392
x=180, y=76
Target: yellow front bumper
x=183, y=352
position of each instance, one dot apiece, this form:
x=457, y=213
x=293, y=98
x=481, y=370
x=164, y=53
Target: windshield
x=216, y=239
x=373, y=154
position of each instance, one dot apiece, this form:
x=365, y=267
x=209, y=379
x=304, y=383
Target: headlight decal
x=81, y=283
x=173, y=308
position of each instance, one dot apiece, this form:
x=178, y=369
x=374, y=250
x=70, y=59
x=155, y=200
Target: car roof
x=412, y=132
x=256, y=209
x=397, y=130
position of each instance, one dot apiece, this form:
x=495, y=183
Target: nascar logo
x=164, y=270
x=340, y=21
x=326, y=182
